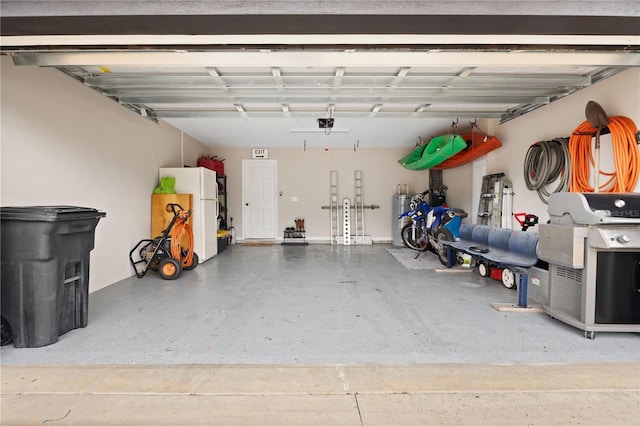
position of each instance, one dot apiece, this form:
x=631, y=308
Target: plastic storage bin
x=45, y=270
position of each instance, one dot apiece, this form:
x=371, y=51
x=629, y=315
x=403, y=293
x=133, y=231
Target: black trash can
x=45, y=270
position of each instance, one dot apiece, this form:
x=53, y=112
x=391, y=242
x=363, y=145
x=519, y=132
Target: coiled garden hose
x=626, y=157
x=545, y=162
x=179, y=252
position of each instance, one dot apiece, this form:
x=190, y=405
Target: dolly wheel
x=194, y=263
x=169, y=268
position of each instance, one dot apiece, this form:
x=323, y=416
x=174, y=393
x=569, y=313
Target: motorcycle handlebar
x=421, y=195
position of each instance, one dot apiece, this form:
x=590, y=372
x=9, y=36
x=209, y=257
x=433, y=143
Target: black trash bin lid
x=49, y=213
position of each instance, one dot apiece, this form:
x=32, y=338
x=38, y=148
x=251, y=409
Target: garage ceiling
x=337, y=83
x=283, y=72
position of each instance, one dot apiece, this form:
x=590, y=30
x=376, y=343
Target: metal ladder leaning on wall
x=333, y=206
x=490, y=206
x=357, y=208
x=351, y=233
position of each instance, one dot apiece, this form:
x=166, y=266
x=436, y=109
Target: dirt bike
x=429, y=226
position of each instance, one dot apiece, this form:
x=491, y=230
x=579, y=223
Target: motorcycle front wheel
x=414, y=238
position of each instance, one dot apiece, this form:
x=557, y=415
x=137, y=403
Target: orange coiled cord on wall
x=625, y=155
x=182, y=226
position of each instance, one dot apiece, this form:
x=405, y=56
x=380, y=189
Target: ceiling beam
x=314, y=81
x=307, y=99
x=258, y=93
x=196, y=113
x=305, y=58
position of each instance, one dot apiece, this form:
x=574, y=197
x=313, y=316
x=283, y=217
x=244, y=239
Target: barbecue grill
x=592, y=245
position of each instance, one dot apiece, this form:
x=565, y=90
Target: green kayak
x=433, y=153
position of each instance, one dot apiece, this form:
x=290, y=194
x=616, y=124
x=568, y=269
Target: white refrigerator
x=202, y=183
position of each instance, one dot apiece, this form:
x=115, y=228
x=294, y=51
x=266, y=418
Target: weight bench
x=501, y=247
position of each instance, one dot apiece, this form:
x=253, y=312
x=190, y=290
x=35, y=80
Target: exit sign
x=259, y=153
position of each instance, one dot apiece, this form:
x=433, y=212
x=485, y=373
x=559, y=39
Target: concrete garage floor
x=320, y=334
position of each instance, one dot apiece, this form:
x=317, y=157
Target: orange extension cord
x=179, y=227
x=625, y=152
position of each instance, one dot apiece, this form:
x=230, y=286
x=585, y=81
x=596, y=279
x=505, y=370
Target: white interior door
x=259, y=206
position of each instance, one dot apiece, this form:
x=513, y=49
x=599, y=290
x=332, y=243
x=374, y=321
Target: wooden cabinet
x=160, y=217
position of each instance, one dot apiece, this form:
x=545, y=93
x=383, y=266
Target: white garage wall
x=65, y=145
x=618, y=95
x=305, y=175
